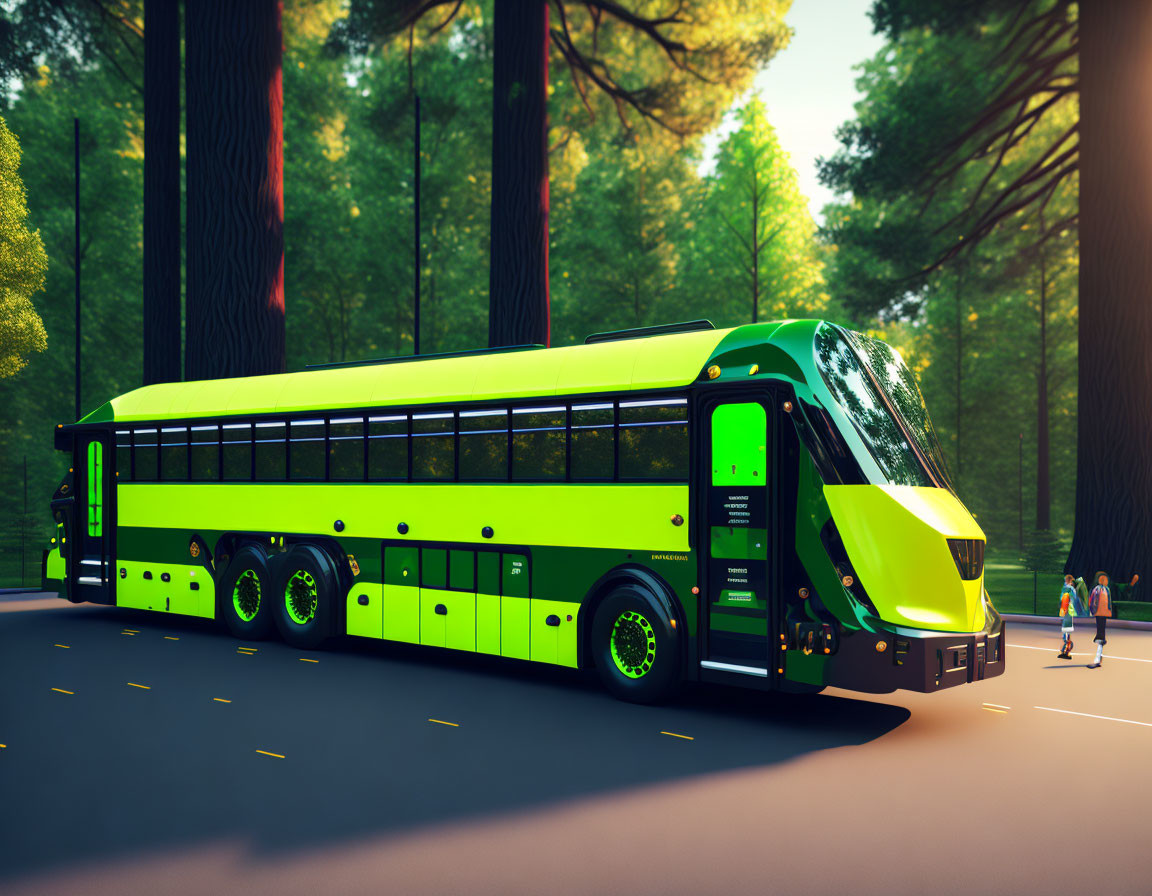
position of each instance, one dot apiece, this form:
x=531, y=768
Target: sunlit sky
x=809, y=88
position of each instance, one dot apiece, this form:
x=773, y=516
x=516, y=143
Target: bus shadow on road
x=366, y=751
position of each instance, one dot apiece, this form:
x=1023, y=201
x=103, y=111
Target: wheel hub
x=246, y=595
x=633, y=644
x=300, y=597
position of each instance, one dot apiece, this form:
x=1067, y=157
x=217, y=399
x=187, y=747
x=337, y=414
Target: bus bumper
x=922, y=662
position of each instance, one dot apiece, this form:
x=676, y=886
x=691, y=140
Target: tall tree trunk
x=959, y=369
x=161, y=192
x=1043, y=477
x=235, y=266
x=518, y=278
x=1114, y=456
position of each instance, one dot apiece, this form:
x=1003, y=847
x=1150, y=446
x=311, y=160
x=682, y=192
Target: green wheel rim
x=246, y=595
x=633, y=644
x=300, y=597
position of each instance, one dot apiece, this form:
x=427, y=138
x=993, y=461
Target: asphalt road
x=145, y=754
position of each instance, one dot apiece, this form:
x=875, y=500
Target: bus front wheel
x=245, y=595
x=635, y=646
x=304, y=597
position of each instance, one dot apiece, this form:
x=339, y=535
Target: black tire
x=645, y=667
x=247, y=581
x=304, y=607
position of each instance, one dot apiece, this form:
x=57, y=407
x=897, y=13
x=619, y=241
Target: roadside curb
x=1086, y=620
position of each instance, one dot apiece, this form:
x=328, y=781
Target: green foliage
x=22, y=265
x=969, y=323
x=758, y=239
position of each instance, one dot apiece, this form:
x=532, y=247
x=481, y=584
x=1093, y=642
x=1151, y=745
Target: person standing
x=1069, y=609
x=1100, y=606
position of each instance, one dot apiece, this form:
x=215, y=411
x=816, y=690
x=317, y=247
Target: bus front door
x=91, y=568
x=738, y=470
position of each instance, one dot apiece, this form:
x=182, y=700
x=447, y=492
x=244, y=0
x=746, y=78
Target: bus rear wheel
x=635, y=646
x=305, y=595
x=245, y=595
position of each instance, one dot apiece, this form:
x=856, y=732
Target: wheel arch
x=627, y=574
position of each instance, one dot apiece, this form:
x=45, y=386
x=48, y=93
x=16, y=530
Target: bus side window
x=124, y=455
x=433, y=446
x=593, y=442
x=346, y=449
x=538, y=436
x=654, y=439
x=483, y=445
x=237, y=452
x=174, y=453
x=271, y=451
x=388, y=448
x=205, y=453
x=306, y=449
x=145, y=454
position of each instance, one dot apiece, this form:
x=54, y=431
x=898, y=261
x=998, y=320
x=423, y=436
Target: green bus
x=764, y=506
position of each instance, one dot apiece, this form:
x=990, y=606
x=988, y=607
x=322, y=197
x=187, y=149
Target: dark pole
x=76, y=142
x=1021, y=493
x=24, y=521
x=416, y=234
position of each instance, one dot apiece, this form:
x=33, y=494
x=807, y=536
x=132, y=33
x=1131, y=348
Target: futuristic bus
x=764, y=506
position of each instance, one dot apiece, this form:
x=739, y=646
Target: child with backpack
x=1070, y=607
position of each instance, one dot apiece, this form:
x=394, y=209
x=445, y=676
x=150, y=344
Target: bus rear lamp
x=695, y=589
x=713, y=372
x=787, y=407
x=847, y=581
x=881, y=646
x=753, y=370
x=803, y=593
x=671, y=622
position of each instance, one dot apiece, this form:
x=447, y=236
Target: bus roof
x=657, y=362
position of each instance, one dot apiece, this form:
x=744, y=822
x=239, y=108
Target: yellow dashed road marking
x=146, y=687
x=274, y=755
x=62, y=691
x=305, y=659
x=674, y=734
x=65, y=646
x=170, y=638
x=221, y=700
x=439, y=722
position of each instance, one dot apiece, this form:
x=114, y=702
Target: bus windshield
x=875, y=388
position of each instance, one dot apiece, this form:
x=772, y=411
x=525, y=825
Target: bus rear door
x=737, y=471
x=91, y=566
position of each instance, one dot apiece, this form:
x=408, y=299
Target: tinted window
x=306, y=449
x=124, y=454
x=271, y=451
x=346, y=449
x=654, y=439
x=237, y=448
x=857, y=396
x=174, y=452
x=593, y=442
x=538, y=443
x=145, y=454
x=205, y=450
x=433, y=446
x=898, y=383
x=484, y=445
x=388, y=447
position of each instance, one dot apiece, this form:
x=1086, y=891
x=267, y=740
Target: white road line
x=1107, y=656
x=1089, y=715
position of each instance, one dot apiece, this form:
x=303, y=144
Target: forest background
x=646, y=227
